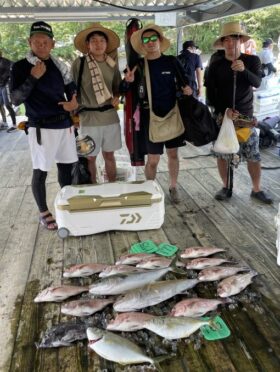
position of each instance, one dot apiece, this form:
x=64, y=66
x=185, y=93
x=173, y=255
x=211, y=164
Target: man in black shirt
x=150, y=42
x=40, y=81
x=220, y=96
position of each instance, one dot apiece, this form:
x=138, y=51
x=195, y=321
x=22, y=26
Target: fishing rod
x=232, y=160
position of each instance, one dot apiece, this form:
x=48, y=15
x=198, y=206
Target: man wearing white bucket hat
x=223, y=92
x=98, y=94
x=151, y=43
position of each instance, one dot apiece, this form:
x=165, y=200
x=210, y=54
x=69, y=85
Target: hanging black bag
x=80, y=173
x=200, y=127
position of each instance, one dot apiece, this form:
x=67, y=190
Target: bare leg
x=110, y=165
x=92, y=168
x=151, y=166
x=254, y=169
x=222, y=168
x=173, y=166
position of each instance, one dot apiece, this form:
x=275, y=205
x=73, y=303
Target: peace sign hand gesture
x=129, y=74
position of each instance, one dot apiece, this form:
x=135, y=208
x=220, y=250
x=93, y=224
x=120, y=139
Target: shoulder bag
x=165, y=128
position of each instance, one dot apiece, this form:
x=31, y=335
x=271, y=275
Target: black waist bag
x=201, y=128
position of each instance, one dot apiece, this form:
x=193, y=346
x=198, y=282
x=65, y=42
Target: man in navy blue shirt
x=193, y=67
x=40, y=82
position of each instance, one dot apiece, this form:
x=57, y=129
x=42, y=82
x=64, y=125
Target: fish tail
x=177, y=270
x=212, y=324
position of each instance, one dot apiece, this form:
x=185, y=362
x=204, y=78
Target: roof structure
x=187, y=11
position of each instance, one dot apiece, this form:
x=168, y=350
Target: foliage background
x=260, y=25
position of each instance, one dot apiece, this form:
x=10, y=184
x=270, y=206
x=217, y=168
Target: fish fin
x=174, y=268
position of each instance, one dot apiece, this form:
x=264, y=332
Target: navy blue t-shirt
x=163, y=84
x=190, y=61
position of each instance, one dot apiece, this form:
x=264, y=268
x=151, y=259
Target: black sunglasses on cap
x=146, y=39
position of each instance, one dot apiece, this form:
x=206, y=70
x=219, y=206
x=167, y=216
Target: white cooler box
x=91, y=209
x=266, y=101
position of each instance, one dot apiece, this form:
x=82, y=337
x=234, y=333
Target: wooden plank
x=16, y=255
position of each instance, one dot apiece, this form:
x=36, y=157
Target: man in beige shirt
x=98, y=95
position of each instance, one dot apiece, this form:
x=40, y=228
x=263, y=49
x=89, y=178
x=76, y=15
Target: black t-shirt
x=220, y=84
x=163, y=84
x=41, y=96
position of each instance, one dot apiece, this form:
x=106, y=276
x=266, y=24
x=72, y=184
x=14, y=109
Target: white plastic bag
x=227, y=142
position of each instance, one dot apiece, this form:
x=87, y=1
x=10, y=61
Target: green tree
x=260, y=25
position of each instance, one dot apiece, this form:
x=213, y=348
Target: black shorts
x=158, y=148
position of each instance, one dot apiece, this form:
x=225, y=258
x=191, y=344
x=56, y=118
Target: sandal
x=48, y=224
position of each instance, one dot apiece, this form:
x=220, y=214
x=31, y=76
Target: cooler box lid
x=109, y=195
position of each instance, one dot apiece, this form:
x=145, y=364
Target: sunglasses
x=147, y=39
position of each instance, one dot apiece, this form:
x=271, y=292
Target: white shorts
x=106, y=137
x=58, y=145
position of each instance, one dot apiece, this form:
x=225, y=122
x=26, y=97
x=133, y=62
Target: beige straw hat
x=231, y=28
x=80, y=39
x=136, y=39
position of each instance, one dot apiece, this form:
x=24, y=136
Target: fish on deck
x=235, y=284
x=60, y=293
x=152, y=294
x=195, y=252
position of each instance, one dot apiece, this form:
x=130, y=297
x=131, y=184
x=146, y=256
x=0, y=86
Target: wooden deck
x=32, y=258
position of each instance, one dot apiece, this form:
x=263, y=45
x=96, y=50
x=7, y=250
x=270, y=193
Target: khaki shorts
x=106, y=137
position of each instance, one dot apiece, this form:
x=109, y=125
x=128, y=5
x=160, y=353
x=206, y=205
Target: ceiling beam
x=243, y=4
x=78, y=9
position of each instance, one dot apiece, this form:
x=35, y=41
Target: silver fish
x=173, y=328
x=235, y=284
x=83, y=270
x=157, y=263
x=118, y=269
x=194, y=252
x=128, y=322
x=196, y=307
x=116, y=348
x=133, y=259
x=119, y=284
x=85, y=307
x=63, y=334
x=60, y=293
x=152, y=294
x=203, y=263
x=216, y=273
